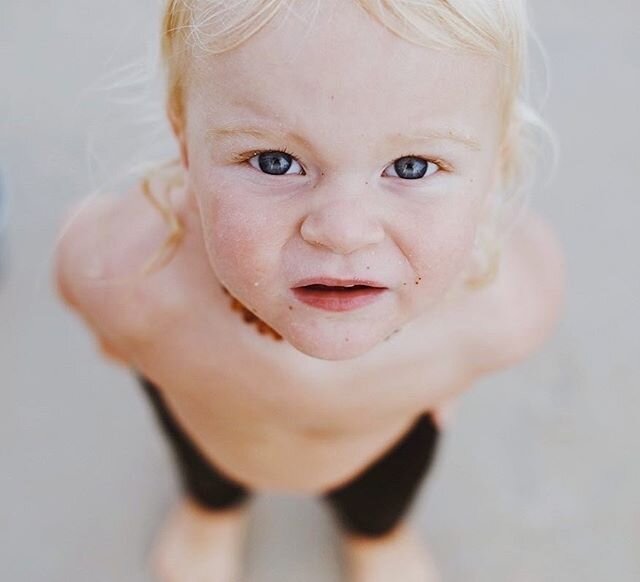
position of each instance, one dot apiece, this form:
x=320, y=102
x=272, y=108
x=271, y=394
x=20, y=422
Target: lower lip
x=338, y=300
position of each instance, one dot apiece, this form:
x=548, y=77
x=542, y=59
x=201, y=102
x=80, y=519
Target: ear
x=176, y=120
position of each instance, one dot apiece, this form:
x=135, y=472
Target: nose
x=342, y=225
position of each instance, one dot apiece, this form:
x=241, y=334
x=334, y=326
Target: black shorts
x=371, y=504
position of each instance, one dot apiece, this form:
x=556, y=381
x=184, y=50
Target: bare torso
x=264, y=413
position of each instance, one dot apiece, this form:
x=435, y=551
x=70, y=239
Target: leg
x=201, y=481
x=371, y=508
x=204, y=537
x=373, y=502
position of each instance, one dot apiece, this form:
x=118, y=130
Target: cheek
x=444, y=243
x=239, y=233
x=232, y=233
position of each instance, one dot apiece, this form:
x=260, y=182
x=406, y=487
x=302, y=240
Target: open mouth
x=338, y=298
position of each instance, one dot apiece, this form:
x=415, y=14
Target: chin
x=334, y=346
x=334, y=353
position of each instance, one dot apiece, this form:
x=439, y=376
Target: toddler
x=305, y=292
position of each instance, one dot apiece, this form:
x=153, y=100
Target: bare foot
x=198, y=545
x=399, y=556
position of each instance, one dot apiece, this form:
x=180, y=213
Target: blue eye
x=412, y=168
x=275, y=163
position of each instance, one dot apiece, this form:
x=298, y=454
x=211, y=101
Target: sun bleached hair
x=495, y=28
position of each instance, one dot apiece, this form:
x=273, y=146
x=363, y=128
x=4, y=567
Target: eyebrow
x=428, y=135
x=256, y=132
x=435, y=135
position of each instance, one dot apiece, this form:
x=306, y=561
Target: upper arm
x=92, y=276
x=524, y=307
x=79, y=260
x=99, y=266
x=79, y=255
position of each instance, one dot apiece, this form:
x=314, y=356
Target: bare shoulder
x=101, y=253
x=79, y=250
x=514, y=316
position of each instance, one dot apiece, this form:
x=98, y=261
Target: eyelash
x=444, y=166
x=240, y=158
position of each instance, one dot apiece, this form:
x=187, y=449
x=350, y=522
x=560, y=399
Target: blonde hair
x=495, y=28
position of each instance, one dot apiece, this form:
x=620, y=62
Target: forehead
x=331, y=59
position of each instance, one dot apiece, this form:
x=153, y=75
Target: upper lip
x=334, y=282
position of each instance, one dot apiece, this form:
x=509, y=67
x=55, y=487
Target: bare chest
x=276, y=419
x=266, y=414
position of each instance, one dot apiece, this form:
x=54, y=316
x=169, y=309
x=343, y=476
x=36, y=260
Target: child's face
x=347, y=101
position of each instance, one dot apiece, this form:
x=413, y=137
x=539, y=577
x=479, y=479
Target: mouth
x=333, y=283
x=342, y=297
x=337, y=288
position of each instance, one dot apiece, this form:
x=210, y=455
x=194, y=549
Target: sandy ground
x=539, y=476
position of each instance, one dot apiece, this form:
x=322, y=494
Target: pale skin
x=311, y=411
